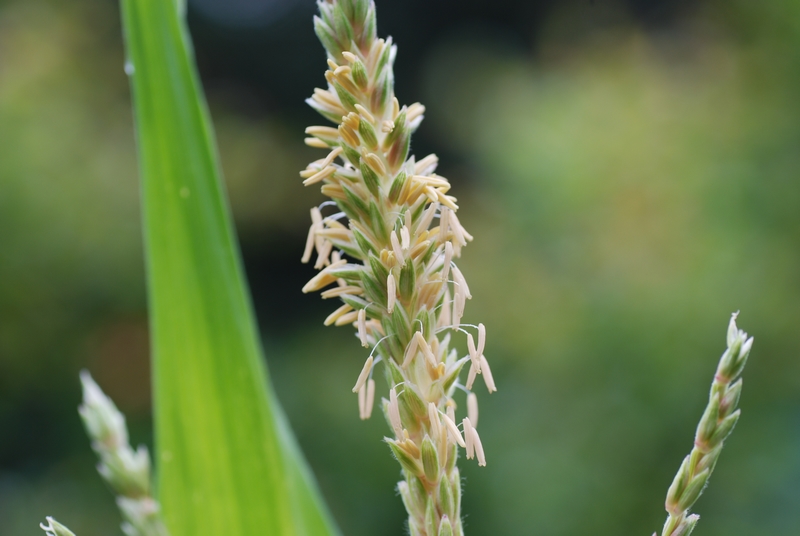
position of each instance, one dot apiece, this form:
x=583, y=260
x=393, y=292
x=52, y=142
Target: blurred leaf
x=228, y=463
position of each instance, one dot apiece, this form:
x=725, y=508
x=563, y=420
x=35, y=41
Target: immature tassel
x=400, y=285
x=126, y=471
x=717, y=423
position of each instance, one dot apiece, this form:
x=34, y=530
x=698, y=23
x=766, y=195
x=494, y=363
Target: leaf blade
x=228, y=463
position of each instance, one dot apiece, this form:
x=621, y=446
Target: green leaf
x=228, y=463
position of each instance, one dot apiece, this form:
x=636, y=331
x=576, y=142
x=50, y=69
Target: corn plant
x=227, y=461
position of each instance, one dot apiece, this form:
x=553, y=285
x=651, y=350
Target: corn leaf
x=227, y=462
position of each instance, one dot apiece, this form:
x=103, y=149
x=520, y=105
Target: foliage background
x=630, y=173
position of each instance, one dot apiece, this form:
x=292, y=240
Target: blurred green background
x=629, y=171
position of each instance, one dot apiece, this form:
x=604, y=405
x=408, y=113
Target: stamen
x=429, y=161
x=349, y=56
x=370, y=402
x=391, y=291
x=316, y=143
x=362, y=327
x=487, y=375
x=433, y=417
x=338, y=291
x=309, y=244
x=415, y=111
x=348, y=318
x=473, y=372
x=473, y=352
x=327, y=247
x=444, y=315
x=394, y=414
x=460, y=233
x=323, y=279
x=325, y=132
x=337, y=313
x=427, y=217
x=462, y=283
x=458, y=305
x=452, y=429
x=426, y=350
x=476, y=439
x=365, y=114
x=362, y=401
x=362, y=378
x=469, y=438
x=430, y=191
x=398, y=251
x=411, y=352
x=472, y=409
x=444, y=224
x=481, y=338
x=447, y=200
x=395, y=106
x=448, y=258
x=405, y=238
x=331, y=157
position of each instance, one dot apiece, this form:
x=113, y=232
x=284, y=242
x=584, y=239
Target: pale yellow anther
x=426, y=350
x=331, y=157
x=447, y=200
x=452, y=429
x=338, y=291
x=362, y=327
x=468, y=438
x=481, y=339
x=419, y=249
x=334, y=316
x=391, y=292
x=472, y=409
x=348, y=318
x=474, y=356
x=444, y=224
x=415, y=111
x=332, y=64
x=333, y=191
x=448, y=258
x=349, y=135
x=461, y=282
x=486, y=372
x=322, y=279
x=362, y=377
x=365, y=114
x=411, y=352
x=429, y=161
x=476, y=441
x=375, y=163
x=342, y=70
x=398, y=251
x=320, y=176
x=316, y=143
x=433, y=418
x=349, y=56
x=326, y=132
x=362, y=401
x=432, y=194
x=394, y=414
x=370, y=401
x=473, y=372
